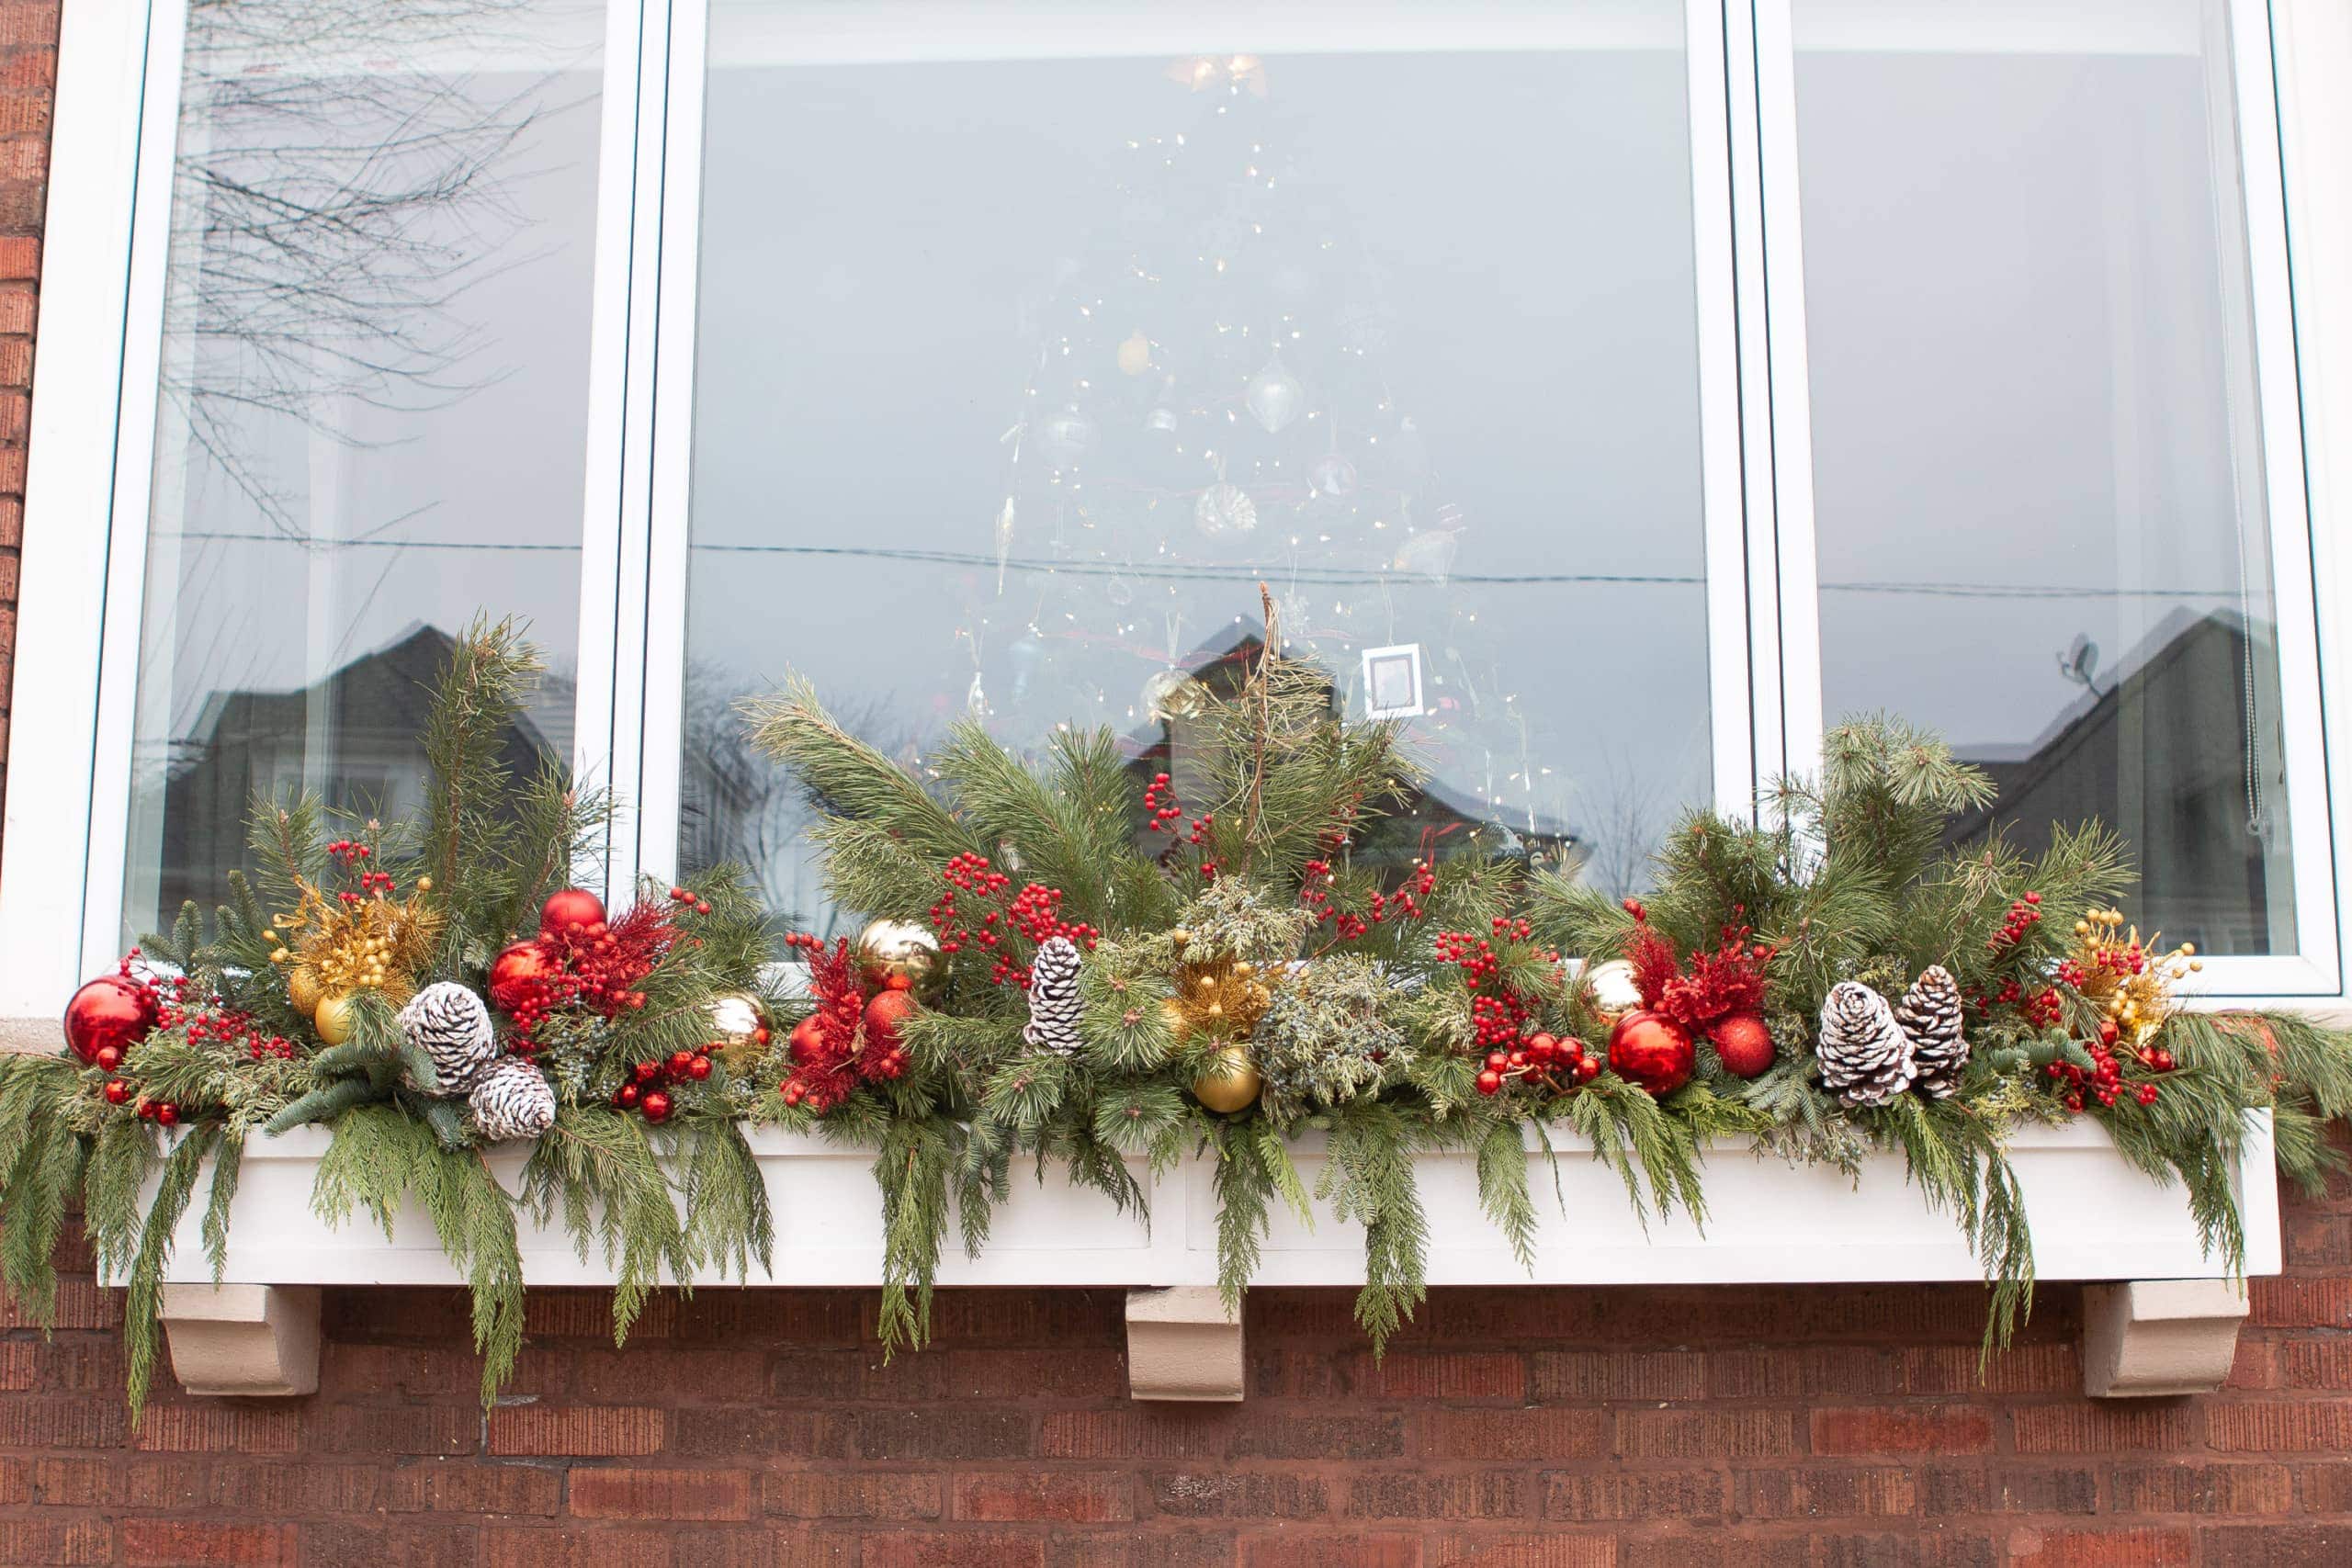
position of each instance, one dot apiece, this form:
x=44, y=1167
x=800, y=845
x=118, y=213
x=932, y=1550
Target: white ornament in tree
x=1865, y=1057
x=512, y=1100
x=1052, y=998
x=1274, y=397
x=449, y=1024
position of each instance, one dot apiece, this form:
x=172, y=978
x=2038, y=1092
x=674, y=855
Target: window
x=1022, y=362
x=1609, y=393
x=369, y=409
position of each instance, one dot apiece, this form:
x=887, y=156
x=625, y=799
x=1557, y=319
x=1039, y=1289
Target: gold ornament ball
x=336, y=1017
x=1230, y=1082
x=897, y=952
x=1613, y=991
x=1134, y=354
x=303, y=990
x=734, y=1018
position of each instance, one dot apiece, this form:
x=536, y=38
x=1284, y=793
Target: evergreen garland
x=1244, y=918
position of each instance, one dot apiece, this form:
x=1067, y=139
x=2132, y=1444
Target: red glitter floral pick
x=1652, y=956
x=1727, y=981
x=827, y=1061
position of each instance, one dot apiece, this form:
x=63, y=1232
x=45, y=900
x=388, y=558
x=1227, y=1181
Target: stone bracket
x=245, y=1340
x=1183, y=1345
x=2150, y=1338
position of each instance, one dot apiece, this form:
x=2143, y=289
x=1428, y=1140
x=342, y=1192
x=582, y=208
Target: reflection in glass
x=1017, y=377
x=371, y=419
x=2040, y=510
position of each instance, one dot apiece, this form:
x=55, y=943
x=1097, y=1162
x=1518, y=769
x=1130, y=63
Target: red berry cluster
x=685, y=896
x=204, y=1023
x=1034, y=913
x=1405, y=903
x=2023, y=916
x=1499, y=1016
x=2042, y=1009
x=851, y=1038
x=592, y=963
x=2104, y=1081
x=1539, y=1062
x=1167, y=817
x=648, y=1089
x=351, y=855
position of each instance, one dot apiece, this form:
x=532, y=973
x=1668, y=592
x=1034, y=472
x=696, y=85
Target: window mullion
x=662, y=694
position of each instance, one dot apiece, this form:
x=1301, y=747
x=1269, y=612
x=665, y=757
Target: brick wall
x=28, y=76
x=1815, y=1427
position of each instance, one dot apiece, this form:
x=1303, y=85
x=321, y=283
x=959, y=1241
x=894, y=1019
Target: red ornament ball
x=884, y=1014
x=699, y=1069
x=1651, y=1051
x=655, y=1104
x=573, y=907
x=515, y=975
x=1744, y=1045
x=167, y=1114
x=805, y=1041
x=111, y=1010
x=118, y=1091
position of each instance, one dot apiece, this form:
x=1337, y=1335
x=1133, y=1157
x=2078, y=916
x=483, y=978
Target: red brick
x=2101, y=1549
x=278, y=1489
x=45, y=1541
x=1706, y=1433
x=660, y=1372
x=1612, y=1495
x=2041, y=1488
x=1798, y=1371
x=1237, y=1495
x=1517, y=1551
x=961, y=1549
x=2312, y=1363
x=1965, y=1369
x=2271, y=1546
x=1530, y=1434
x=27, y=1423
x=463, y=1486
x=2290, y=1303
x=185, y=1543
x=575, y=1432
x=1068, y=1497
x=2280, y=1427
x=1847, y=1492
x=404, y=1544
x=1081, y=1373
x=885, y=1494
x=523, y=1546
x=1941, y=1429
x=1451, y=1375
x=215, y=1427
x=1289, y=1547
x=661, y=1493
x=2085, y=1427
x=1582, y=1376
x=404, y=1429
x=2191, y=1488
x=1441, y=1495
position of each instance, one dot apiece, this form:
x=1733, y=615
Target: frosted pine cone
x=1052, y=998
x=1865, y=1057
x=449, y=1024
x=512, y=1100
x=1929, y=1016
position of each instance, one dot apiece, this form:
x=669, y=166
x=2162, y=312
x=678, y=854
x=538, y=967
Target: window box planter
x=2095, y=1218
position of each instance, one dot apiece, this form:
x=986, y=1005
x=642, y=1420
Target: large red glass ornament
x=573, y=907
x=1651, y=1051
x=515, y=975
x=1744, y=1044
x=112, y=1010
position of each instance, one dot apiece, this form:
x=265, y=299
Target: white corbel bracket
x=250, y=1341
x=2151, y=1337
x=1183, y=1345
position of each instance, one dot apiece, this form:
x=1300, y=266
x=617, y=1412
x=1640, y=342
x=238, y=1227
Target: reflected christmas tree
x=1209, y=407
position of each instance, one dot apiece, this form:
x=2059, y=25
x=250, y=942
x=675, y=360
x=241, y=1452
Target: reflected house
x=369, y=716
x=2178, y=711
x=1432, y=820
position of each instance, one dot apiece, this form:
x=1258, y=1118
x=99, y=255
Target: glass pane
x=373, y=401
x=1024, y=358
x=2039, y=499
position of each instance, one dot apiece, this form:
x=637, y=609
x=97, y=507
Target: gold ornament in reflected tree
x=1230, y=1082
x=738, y=1028
x=897, y=953
x=1172, y=693
x=2129, y=981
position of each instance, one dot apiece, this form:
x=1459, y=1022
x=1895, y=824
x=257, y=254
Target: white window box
x=2093, y=1218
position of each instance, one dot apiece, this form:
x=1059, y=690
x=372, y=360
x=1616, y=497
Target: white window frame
x=99, y=334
